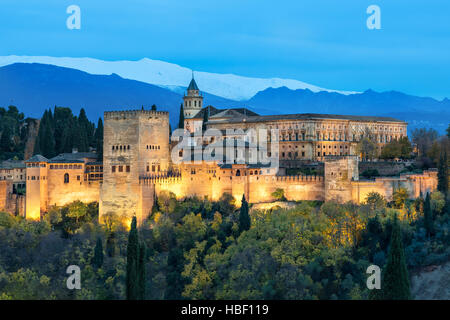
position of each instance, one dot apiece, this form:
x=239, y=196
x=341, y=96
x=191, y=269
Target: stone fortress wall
x=136, y=143
x=137, y=165
x=340, y=183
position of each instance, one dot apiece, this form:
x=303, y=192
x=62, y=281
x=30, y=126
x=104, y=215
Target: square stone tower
x=36, y=187
x=340, y=171
x=135, y=144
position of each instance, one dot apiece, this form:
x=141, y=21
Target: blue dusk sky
x=322, y=42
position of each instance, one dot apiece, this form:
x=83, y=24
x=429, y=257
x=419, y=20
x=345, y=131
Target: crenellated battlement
x=297, y=178
x=116, y=115
x=161, y=179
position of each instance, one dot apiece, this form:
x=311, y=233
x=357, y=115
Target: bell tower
x=193, y=101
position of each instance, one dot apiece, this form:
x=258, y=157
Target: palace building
x=139, y=161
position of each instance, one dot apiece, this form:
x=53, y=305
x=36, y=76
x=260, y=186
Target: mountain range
x=171, y=76
x=34, y=87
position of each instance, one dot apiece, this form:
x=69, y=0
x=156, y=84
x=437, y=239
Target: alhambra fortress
x=138, y=162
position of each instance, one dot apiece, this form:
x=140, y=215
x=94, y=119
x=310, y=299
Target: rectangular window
x=128, y=168
x=78, y=178
x=113, y=169
x=120, y=168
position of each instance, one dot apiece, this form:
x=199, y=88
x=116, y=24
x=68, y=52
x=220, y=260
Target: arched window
x=238, y=173
x=66, y=178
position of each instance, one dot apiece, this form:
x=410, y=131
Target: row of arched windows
x=115, y=148
x=188, y=103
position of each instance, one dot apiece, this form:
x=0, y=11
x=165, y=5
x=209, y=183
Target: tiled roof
x=308, y=116
x=64, y=161
x=94, y=163
x=73, y=157
x=226, y=113
x=37, y=158
x=12, y=164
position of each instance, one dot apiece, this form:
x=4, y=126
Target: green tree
x=443, y=173
x=45, y=143
x=181, y=119
x=424, y=139
x=367, y=148
x=6, y=139
x=154, y=107
x=244, y=217
x=98, y=138
x=111, y=245
x=375, y=200
x=428, y=215
x=397, y=149
x=135, y=274
x=141, y=272
x=97, y=260
x=205, y=118
x=400, y=195
x=132, y=286
x=395, y=282
x=86, y=129
x=278, y=195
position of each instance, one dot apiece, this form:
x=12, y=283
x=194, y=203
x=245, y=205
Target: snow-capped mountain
x=171, y=76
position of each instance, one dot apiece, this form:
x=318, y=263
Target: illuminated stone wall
x=61, y=191
x=136, y=144
x=6, y=188
x=415, y=184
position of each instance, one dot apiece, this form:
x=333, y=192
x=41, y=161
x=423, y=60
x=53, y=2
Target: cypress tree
x=97, y=260
x=111, y=245
x=132, y=262
x=395, y=282
x=136, y=257
x=443, y=174
x=87, y=127
x=99, y=139
x=5, y=139
x=79, y=136
x=181, y=119
x=205, y=118
x=62, y=126
x=428, y=215
x=47, y=139
x=141, y=276
x=154, y=107
x=37, y=146
x=244, y=217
